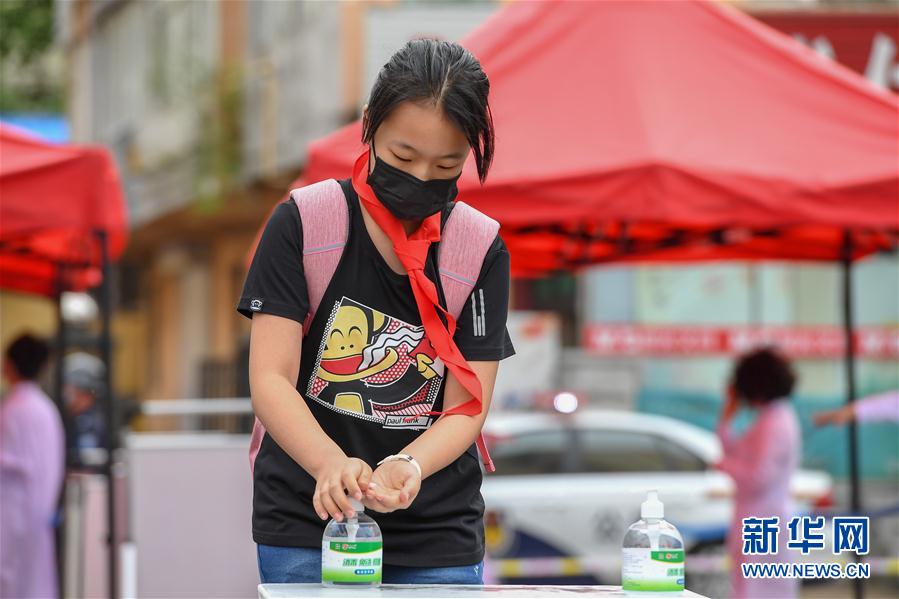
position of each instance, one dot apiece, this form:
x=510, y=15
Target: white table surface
x=301, y=591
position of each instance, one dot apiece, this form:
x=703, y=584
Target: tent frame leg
x=60, y=345
x=848, y=328
x=112, y=427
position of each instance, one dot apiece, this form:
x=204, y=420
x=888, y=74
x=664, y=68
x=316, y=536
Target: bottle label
x=648, y=570
x=351, y=563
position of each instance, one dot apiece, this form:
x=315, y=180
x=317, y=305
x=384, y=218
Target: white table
x=302, y=591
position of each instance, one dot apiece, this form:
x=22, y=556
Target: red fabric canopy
x=669, y=131
x=52, y=200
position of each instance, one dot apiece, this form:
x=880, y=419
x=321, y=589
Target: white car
x=567, y=486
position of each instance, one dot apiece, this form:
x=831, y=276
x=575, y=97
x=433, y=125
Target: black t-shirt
x=368, y=382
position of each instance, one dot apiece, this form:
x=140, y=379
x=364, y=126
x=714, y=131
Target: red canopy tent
x=669, y=131
x=62, y=221
x=52, y=200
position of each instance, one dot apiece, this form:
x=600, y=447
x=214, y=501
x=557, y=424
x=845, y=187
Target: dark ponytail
x=447, y=76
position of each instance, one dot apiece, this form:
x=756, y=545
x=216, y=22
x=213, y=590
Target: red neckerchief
x=413, y=252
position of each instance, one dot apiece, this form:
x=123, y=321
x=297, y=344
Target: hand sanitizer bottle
x=352, y=550
x=652, y=554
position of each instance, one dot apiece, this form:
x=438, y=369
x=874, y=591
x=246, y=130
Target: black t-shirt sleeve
x=481, y=332
x=275, y=283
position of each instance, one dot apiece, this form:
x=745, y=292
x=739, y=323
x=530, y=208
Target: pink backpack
x=466, y=237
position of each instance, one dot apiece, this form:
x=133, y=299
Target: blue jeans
x=304, y=564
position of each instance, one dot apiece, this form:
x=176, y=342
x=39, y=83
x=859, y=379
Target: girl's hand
x=394, y=486
x=335, y=481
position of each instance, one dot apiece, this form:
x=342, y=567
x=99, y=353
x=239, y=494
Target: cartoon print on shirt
x=376, y=367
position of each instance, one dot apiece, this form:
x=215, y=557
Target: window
x=613, y=451
x=595, y=451
x=679, y=459
x=543, y=452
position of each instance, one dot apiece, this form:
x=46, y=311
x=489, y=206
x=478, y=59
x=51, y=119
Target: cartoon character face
x=351, y=331
x=349, y=334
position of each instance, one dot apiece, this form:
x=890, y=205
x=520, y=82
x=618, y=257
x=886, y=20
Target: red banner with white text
x=876, y=343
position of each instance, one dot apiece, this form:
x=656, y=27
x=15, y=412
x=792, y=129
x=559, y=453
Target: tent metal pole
x=112, y=428
x=849, y=326
x=61, y=342
x=60, y=353
x=59, y=400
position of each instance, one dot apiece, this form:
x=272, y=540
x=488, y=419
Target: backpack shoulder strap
x=326, y=227
x=466, y=237
x=325, y=218
x=464, y=242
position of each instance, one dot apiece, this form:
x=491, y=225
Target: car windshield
x=540, y=452
x=563, y=451
x=632, y=451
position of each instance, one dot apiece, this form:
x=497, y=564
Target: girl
x=376, y=344
x=761, y=462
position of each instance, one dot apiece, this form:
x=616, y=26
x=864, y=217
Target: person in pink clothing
x=883, y=407
x=31, y=474
x=761, y=462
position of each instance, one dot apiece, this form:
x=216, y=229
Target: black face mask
x=407, y=196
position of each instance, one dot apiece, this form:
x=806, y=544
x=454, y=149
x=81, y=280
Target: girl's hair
x=763, y=375
x=445, y=75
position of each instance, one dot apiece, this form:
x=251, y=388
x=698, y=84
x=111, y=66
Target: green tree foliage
x=26, y=38
x=26, y=29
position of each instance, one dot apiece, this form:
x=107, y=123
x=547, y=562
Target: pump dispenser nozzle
x=356, y=505
x=652, y=507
